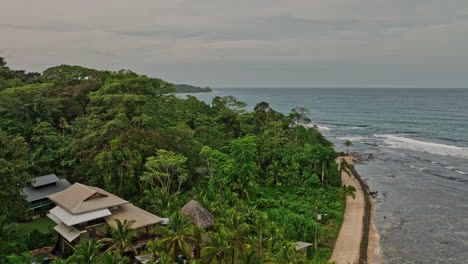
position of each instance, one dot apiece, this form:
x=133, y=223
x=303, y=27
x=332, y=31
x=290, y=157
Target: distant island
x=185, y=88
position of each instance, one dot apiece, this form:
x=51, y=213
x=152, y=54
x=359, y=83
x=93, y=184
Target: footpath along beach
x=358, y=240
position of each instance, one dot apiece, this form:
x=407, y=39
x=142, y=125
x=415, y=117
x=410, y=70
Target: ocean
x=419, y=138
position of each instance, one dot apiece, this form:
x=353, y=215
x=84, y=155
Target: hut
x=201, y=217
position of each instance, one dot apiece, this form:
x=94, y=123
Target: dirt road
x=347, y=245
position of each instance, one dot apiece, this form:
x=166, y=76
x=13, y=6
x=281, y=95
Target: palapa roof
x=201, y=216
x=130, y=212
x=80, y=198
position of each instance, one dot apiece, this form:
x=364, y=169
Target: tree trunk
x=260, y=247
x=323, y=175
x=196, y=251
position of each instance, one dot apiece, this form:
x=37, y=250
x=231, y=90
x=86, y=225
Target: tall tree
x=323, y=160
x=13, y=176
x=165, y=170
x=347, y=143
x=218, y=250
x=179, y=239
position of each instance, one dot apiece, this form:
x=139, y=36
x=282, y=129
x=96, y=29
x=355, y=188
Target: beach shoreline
x=358, y=240
x=373, y=249
x=370, y=250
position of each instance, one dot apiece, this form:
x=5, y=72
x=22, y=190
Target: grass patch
x=43, y=225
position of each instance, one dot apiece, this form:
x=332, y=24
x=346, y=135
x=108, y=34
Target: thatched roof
x=201, y=216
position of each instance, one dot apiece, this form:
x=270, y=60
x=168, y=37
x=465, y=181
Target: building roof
x=68, y=232
x=130, y=212
x=44, y=180
x=34, y=194
x=165, y=221
x=301, y=245
x=201, y=216
x=54, y=218
x=80, y=198
x=74, y=219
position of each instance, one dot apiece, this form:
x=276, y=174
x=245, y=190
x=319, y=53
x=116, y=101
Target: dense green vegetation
x=185, y=88
x=262, y=175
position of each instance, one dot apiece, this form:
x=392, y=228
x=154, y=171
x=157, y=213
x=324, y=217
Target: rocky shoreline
x=369, y=251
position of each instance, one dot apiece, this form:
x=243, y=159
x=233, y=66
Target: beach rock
x=361, y=158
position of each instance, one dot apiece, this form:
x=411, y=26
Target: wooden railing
x=96, y=232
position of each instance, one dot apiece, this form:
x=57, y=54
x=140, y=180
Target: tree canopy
x=260, y=173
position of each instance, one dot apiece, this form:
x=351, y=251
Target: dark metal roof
x=44, y=180
x=34, y=194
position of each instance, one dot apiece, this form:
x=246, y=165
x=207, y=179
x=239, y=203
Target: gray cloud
x=247, y=43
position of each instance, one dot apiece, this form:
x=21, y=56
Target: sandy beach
x=348, y=245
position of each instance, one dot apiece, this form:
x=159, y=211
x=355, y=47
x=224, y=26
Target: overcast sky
x=247, y=43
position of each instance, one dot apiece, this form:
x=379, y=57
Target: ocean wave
x=352, y=138
x=323, y=128
x=359, y=127
x=423, y=146
x=455, y=170
x=319, y=127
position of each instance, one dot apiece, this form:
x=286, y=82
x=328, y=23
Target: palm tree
x=198, y=235
x=348, y=190
x=236, y=229
x=323, y=162
x=288, y=254
x=110, y=258
x=344, y=166
x=251, y=257
x=122, y=236
x=179, y=237
x=60, y=261
x=19, y=259
x=218, y=251
x=154, y=249
x=261, y=222
x=87, y=252
x=9, y=239
x=348, y=143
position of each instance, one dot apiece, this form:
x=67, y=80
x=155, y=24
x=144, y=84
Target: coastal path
x=347, y=246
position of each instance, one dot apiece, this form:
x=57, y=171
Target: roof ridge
x=85, y=186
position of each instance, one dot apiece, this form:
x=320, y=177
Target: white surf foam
x=323, y=128
x=422, y=146
x=319, y=127
x=455, y=170
x=352, y=138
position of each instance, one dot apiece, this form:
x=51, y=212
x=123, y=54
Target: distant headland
x=185, y=88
